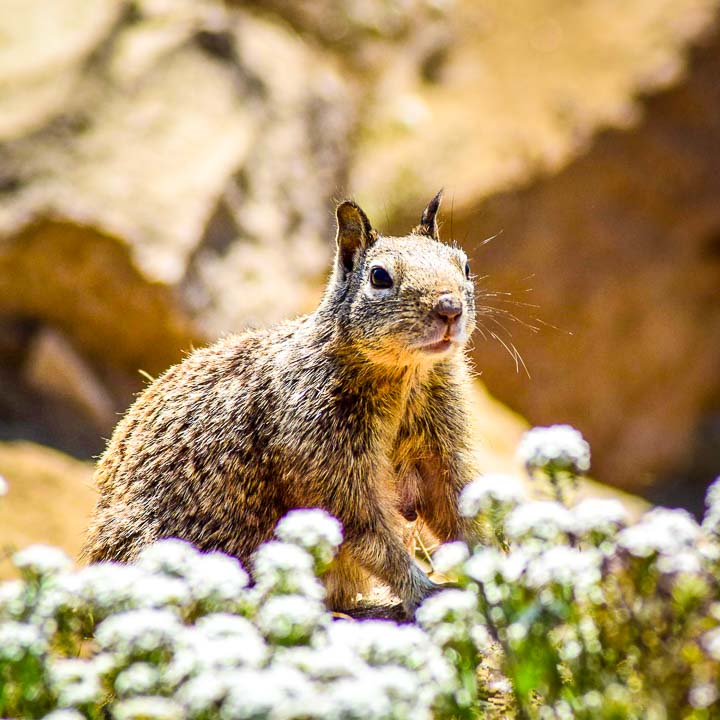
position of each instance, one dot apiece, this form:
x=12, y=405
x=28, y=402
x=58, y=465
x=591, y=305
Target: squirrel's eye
x=467, y=270
x=380, y=278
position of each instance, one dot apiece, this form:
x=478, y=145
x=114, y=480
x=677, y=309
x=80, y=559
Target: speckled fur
x=335, y=410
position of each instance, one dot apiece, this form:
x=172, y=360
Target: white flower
x=544, y=519
x=12, y=599
x=711, y=642
x=285, y=568
x=448, y=558
x=684, y=561
x=18, y=640
x=216, y=579
x=485, y=565
x=107, y=588
x=448, y=606
x=402, y=688
x=64, y=714
x=598, y=515
x=205, y=691
x=514, y=564
x=517, y=632
x=290, y=618
x=449, y=616
x=105, y=663
x=323, y=662
x=213, y=578
x=159, y=591
x=147, y=707
x=266, y=693
x=4, y=487
x=558, y=447
x=104, y=587
x=314, y=530
x=139, y=632
x=353, y=700
x=711, y=522
x=488, y=490
x=661, y=531
x=140, y=678
x=564, y=565
x=252, y=695
x=392, y=686
x=76, y=682
x=712, y=496
x=482, y=639
x=170, y=556
x=703, y=696
x=42, y=560
x=217, y=641
x=225, y=626
x=380, y=642
x=279, y=557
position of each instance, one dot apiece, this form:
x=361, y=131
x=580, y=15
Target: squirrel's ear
x=428, y=223
x=354, y=231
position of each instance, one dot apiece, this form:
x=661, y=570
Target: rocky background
x=168, y=171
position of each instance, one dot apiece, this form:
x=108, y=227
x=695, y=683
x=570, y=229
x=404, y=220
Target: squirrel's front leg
x=442, y=479
x=373, y=541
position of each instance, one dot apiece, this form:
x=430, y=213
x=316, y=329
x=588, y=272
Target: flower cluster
x=559, y=453
x=560, y=611
x=185, y=634
x=589, y=616
x=558, y=447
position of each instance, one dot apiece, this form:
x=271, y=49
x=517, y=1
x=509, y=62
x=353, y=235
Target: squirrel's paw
x=422, y=587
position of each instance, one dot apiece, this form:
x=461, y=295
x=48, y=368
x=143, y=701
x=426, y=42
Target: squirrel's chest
x=410, y=445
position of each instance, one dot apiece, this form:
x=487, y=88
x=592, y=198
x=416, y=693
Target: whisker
x=480, y=328
x=452, y=215
x=496, y=322
x=492, y=237
x=489, y=311
x=514, y=354
x=507, y=301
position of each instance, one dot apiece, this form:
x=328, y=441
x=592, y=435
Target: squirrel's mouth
x=438, y=347
x=445, y=339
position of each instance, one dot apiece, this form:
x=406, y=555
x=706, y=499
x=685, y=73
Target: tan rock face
x=168, y=171
x=49, y=499
x=165, y=146
x=622, y=254
x=509, y=89
x=175, y=185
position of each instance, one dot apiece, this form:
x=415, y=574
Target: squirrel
x=359, y=408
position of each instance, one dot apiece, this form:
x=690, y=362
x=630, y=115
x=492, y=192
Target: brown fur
x=338, y=410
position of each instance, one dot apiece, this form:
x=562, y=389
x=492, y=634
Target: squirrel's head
x=401, y=300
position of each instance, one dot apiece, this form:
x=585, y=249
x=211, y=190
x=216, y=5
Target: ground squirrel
x=358, y=408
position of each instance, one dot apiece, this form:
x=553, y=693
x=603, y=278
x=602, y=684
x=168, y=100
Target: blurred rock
x=168, y=169
x=196, y=150
x=498, y=429
x=619, y=248
x=44, y=47
x=49, y=499
x=622, y=254
x=365, y=34
x=53, y=367
x=511, y=89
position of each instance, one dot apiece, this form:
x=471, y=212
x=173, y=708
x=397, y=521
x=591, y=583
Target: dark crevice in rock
x=220, y=44
x=685, y=485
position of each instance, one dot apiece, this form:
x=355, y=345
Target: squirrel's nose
x=448, y=308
